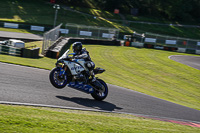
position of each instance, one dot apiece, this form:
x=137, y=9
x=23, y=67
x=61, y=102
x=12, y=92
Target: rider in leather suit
x=82, y=53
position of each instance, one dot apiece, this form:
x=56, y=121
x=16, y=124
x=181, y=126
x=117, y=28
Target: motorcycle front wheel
x=100, y=95
x=56, y=80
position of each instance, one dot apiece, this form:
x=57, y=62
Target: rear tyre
x=56, y=80
x=100, y=95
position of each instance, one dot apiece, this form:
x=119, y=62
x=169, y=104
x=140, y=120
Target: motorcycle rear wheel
x=99, y=96
x=56, y=80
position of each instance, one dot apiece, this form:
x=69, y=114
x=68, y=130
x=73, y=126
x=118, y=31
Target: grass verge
x=42, y=62
x=149, y=71
x=30, y=119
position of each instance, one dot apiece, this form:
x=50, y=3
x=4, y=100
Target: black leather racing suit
x=84, y=54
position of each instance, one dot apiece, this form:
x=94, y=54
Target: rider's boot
x=93, y=79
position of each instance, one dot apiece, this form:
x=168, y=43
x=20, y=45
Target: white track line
x=94, y=110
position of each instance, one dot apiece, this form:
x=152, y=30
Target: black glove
x=76, y=57
x=69, y=57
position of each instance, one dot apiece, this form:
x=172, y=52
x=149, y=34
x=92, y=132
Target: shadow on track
x=101, y=105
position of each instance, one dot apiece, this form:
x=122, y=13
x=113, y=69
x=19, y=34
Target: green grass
x=97, y=12
x=42, y=62
x=34, y=44
x=41, y=13
x=148, y=71
x=21, y=119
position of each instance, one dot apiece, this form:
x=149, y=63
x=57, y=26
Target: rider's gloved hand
x=70, y=57
x=76, y=57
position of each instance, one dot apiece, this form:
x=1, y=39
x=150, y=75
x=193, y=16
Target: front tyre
x=56, y=80
x=100, y=95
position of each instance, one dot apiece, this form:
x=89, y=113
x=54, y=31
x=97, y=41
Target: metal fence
x=24, y=26
x=169, y=41
x=74, y=30
x=157, y=41
x=50, y=37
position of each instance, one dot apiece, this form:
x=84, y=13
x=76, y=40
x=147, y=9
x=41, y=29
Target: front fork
x=62, y=72
x=62, y=69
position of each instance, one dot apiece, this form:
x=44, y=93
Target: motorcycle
x=73, y=73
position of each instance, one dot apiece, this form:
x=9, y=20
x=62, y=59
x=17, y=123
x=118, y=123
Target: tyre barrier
x=30, y=53
x=10, y=50
x=21, y=52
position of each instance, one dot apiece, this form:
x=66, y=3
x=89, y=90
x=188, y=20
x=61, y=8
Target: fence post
x=49, y=37
x=77, y=31
x=98, y=33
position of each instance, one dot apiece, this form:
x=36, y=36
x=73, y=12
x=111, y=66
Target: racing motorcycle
x=73, y=73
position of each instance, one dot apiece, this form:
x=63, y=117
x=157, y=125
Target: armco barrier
x=70, y=30
x=137, y=44
x=197, y=51
x=182, y=45
x=23, y=26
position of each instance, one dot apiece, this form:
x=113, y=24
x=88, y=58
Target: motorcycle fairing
x=81, y=86
x=74, y=67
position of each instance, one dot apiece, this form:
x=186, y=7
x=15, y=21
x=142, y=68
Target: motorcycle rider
x=82, y=53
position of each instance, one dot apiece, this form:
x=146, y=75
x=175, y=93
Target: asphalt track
x=16, y=35
x=20, y=84
x=192, y=61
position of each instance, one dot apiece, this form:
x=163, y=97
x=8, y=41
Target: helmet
x=77, y=47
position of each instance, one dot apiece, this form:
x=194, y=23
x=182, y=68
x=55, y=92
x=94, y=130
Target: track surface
x=16, y=35
x=192, y=61
x=31, y=85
